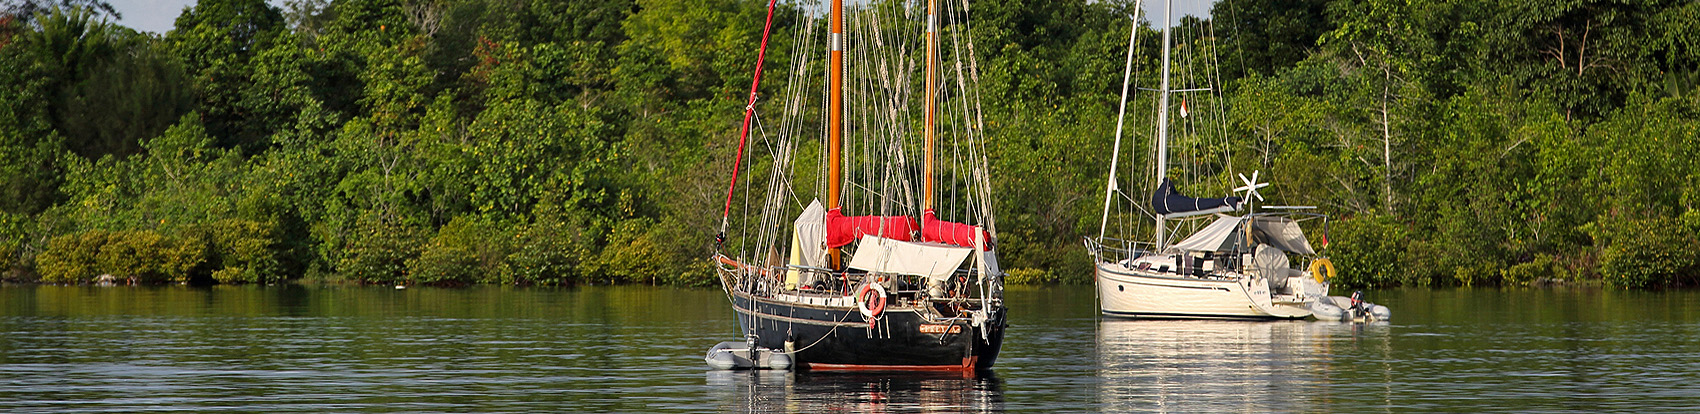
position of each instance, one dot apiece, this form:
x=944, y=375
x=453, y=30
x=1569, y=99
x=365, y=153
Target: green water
x=639, y=349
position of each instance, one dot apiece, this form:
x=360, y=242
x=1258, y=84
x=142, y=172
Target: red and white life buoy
x=871, y=301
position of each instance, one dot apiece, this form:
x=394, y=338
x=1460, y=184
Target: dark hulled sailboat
x=902, y=290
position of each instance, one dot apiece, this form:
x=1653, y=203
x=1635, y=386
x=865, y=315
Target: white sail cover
x=1225, y=234
x=933, y=260
x=811, y=236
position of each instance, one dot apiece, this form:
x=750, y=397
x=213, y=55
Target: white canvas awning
x=1283, y=233
x=1227, y=234
x=1218, y=236
x=933, y=260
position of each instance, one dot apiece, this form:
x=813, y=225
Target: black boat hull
x=902, y=339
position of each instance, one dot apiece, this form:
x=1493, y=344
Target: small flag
x=1183, y=108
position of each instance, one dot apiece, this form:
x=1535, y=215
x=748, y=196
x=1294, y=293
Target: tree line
x=556, y=143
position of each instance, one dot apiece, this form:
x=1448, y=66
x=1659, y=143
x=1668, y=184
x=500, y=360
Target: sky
x=150, y=15
x=157, y=16
x=1152, y=10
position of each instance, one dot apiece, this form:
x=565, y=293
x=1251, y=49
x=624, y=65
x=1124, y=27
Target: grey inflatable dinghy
x=745, y=355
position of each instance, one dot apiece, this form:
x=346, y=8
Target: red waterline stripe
x=967, y=365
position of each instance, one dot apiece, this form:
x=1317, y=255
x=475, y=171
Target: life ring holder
x=878, y=301
x=1322, y=269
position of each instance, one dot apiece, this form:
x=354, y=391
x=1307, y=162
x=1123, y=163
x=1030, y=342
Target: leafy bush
x=1476, y=274
x=1061, y=263
x=377, y=252
x=1527, y=273
x=141, y=255
x=467, y=250
x=549, y=251
x=244, y=251
x=633, y=254
x=12, y=236
x=1370, y=251
x=1029, y=276
x=1649, y=252
x=71, y=258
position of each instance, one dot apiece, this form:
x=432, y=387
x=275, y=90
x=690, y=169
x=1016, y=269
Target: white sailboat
x=1239, y=266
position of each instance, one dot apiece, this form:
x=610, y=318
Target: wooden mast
x=932, y=101
x=835, y=114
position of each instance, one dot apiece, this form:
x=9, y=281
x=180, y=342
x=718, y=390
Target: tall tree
x=1387, y=52
x=27, y=10
x=1263, y=36
x=111, y=87
x=217, y=41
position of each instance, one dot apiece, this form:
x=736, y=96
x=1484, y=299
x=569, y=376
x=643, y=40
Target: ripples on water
x=638, y=349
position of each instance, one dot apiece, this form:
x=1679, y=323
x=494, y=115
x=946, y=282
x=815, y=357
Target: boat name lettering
x=939, y=329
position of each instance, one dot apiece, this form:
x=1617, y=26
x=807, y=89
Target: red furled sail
x=940, y=231
x=842, y=230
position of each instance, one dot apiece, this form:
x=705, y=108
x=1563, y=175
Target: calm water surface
x=639, y=349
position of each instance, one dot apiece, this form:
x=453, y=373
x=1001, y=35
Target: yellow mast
x=835, y=113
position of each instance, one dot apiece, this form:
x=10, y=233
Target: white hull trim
x=1131, y=293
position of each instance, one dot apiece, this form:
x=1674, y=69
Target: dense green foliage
x=545, y=142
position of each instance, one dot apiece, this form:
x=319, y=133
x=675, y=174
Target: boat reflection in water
x=768, y=391
x=1192, y=366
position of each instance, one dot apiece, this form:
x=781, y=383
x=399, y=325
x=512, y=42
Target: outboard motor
x=1368, y=312
x=1353, y=308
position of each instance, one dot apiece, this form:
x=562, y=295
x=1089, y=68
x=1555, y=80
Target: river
x=639, y=349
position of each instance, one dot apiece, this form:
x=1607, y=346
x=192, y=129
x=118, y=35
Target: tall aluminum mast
x=1163, y=120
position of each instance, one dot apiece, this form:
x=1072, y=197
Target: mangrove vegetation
x=566, y=142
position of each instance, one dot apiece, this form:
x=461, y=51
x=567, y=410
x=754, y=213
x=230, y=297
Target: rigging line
x=979, y=121
x=776, y=189
x=749, y=110
x=1200, y=144
x=1221, y=96
x=885, y=132
x=788, y=150
x=893, y=82
x=957, y=133
x=903, y=68
x=790, y=125
x=1196, y=146
x=1121, y=116
x=823, y=140
x=869, y=134
x=1239, y=39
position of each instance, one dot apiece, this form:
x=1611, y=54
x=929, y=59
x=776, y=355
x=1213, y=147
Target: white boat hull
x=1133, y=293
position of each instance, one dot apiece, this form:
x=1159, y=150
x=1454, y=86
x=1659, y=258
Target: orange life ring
x=878, y=301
